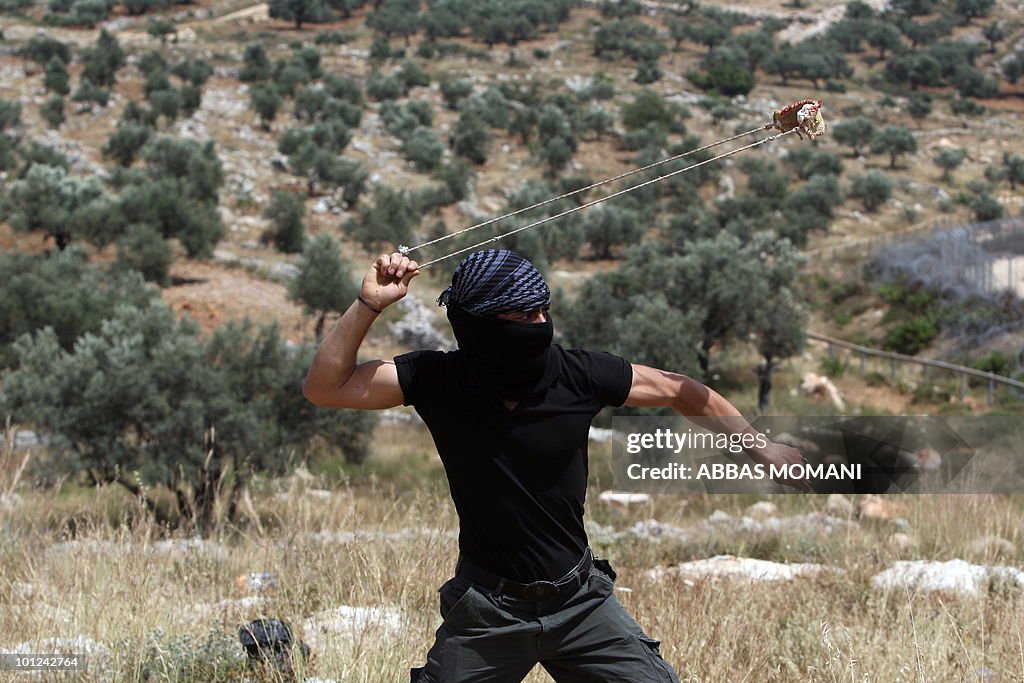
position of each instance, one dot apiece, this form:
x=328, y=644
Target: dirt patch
x=212, y=295
x=32, y=243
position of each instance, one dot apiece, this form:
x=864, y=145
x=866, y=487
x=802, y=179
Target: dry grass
x=97, y=569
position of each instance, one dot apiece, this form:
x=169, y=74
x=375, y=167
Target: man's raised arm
x=653, y=388
x=334, y=379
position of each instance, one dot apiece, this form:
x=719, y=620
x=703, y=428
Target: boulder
x=326, y=628
x=732, y=567
x=624, y=499
x=955, y=576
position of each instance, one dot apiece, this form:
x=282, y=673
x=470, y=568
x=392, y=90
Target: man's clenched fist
x=388, y=279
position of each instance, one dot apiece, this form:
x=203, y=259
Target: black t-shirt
x=518, y=477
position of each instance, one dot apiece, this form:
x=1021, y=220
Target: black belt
x=538, y=591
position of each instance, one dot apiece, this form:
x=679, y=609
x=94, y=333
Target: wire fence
x=865, y=246
x=955, y=258
x=983, y=259
x=897, y=363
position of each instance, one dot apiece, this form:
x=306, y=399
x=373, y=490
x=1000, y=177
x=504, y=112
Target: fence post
x=862, y=362
x=831, y=351
x=963, y=385
x=991, y=391
x=892, y=368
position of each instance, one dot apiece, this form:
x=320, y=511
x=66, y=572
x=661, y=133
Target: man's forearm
x=707, y=408
x=335, y=359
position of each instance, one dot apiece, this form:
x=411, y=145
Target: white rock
x=732, y=567
x=578, y=83
x=416, y=327
x=719, y=516
x=652, y=529
x=79, y=644
x=10, y=501
x=762, y=509
x=726, y=187
x=623, y=499
x=24, y=591
x=324, y=629
x=399, y=416
x=23, y=439
x=954, y=576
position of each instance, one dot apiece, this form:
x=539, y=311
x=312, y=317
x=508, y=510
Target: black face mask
x=507, y=358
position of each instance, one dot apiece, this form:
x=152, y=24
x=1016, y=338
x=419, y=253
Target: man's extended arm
x=335, y=380
x=653, y=388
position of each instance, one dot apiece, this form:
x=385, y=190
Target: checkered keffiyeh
x=496, y=281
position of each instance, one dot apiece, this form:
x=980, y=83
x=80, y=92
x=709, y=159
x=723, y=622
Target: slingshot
x=802, y=118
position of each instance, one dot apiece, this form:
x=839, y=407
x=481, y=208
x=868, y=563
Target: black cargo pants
x=498, y=638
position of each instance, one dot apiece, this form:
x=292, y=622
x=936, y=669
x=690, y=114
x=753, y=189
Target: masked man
x=510, y=413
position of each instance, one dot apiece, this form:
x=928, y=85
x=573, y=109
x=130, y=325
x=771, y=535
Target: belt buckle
x=540, y=591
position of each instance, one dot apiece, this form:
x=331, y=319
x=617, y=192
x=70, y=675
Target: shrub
x=125, y=142
x=986, y=207
x=89, y=12
x=42, y=48
x=52, y=111
x=963, y=105
x=724, y=78
x=61, y=291
x=255, y=64
x=423, y=148
x=145, y=251
x=648, y=106
x=287, y=213
x=380, y=87
x=389, y=220
x=266, y=101
x=949, y=159
x=88, y=92
x=324, y=283
x=911, y=336
x=455, y=90
x=55, y=78
x=873, y=189
x=834, y=366
x=411, y=75
x=471, y=138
